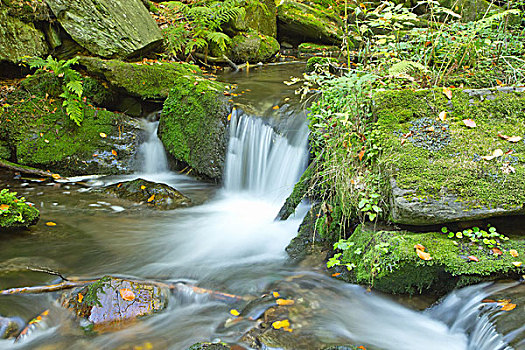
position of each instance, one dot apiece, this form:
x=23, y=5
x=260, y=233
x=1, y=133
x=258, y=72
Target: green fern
x=220, y=39
x=406, y=67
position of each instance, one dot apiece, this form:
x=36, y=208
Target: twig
x=46, y=289
x=48, y=271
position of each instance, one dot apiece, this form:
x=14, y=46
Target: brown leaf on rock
x=127, y=294
x=473, y=258
x=420, y=247
x=422, y=255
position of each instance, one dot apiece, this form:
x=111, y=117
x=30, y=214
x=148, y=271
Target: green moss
x=320, y=63
x=193, y=124
x=317, y=49
x=15, y=213
x=209, y=346
x=253, y=47
x=143, y=79
x=457, y=167
x=388, y=261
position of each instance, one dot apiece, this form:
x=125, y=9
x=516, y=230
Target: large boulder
x=112, y=302
x=19, y=39
x=15, y=213
x=108, y=28
x=193, y=125
x=259, y=16
x=298, y=22
x=443, y=171
x=389, y=262
x=253, y=47
x=152, y=194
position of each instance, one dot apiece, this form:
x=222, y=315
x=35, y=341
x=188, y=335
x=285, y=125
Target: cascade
x=152, y=156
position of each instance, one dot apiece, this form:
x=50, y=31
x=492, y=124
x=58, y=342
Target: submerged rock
x=157, y=195
x=444, y=171
x=112, y=302
x=108, y=28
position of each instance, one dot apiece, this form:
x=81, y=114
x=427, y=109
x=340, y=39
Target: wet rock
x=19, y=39
x=9, y=327
x=306, y=242
x=108, y=28
x=298, y=22
x=112, y=302
x=156, y=195
x=209, y=346
x=193, y=124
x=253, y=47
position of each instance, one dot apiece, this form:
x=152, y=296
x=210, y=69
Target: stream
x=229, y=241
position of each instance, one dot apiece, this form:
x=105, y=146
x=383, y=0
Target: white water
x=152, y=156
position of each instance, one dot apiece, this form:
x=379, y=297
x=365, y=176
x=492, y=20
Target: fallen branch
x=23, y=169
x=222, y=59
x=213, y=294
x=48, y=271
x=46, y=289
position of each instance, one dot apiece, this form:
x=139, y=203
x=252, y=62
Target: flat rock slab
x=111, y=302
x=439, y=169
x=108, y=28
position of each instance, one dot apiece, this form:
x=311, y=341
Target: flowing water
x=229, y=242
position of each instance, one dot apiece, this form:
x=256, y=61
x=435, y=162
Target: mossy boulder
x=298, y=22
x=193, y=125
x=15, y=213
x=388, y=261
x=19, y=39
x=111, y=302
x=28, y=11
x=259, y=16
x=40, y=134
x=253, y=47
x=155, y=195
x=321, y=64
x=108, y=28
x=441, y=170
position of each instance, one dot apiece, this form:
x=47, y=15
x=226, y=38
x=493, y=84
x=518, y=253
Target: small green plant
x=489, y=238
x=71, y=83
x=91, y=296
x=343, y=245
x=14, y=210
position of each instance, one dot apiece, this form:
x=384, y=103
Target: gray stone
x=108, y=28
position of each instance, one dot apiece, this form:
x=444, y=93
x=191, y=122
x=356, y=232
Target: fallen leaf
x=285, y=302
x=503, y=136
x=55, y=176
x=127, y=294
x=275, y=107
x=229, y=117
x=514, y=138
x=276, y=294
x=361, y=154
x=281, y=324
x=113, y=152
x=150, y=199
x=103, y=135
x=508, y=307
x=497, y=153
x=473, y=258
x=443, y=116
x=422, y=255
x=499, y=82
x=497, y=251
x=470, y=123
x=420, y=247
x=50, y=223
x=514, y=253
x=80, y=297
x=234, y=312
x=430, y=129
x=517, y=263
x=361, y=347
x=447, y=93
x=403, y=141
x=336, y=274
x=142, y=187
x=46, y=141
x=4, y=207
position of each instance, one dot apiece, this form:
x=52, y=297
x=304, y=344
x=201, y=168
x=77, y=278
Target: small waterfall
x=261, y=161
x=152, y=156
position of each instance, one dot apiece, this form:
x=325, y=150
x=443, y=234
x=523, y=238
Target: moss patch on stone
x=15, y=213
x=388, y=261
x=253, y=47
x=455, y=168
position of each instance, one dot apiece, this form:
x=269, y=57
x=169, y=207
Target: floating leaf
x=80, y=297
x=234, y=312
x=127, y=294
x=514, y=253
x=443, y=116
x=336, y=274
x=473, y=258
x=517, y=263
x=281, y=324
x=150, y=199
x=497, y=153
x=4, y=207
x=103, y=135
x=55, y=176
x=420, y=247
x=508, y=307
x=50, y=223
x=285, y=302
x=276, y=294
x=113, y=152
x=275, y=107
x=422, y=255
x=470, y=123
x=447, y=93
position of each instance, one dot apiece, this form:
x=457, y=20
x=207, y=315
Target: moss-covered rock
x=193, y=124
x=388, y=261
x=155, y=195
x=15, y=213
x=260, y=16
x=19, y=39
x=299, y=192
x=253, y=47
x=437, y=171
x=297, y=23
x=318, y=50
x=40, y=134
x=320, y=64
x=108, y=28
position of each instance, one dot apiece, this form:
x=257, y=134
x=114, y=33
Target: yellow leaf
x=55, y=176
x=4, y=207
x=127, y=294
x=420, y=247
x=422, y=255
x=281, y=324
x=113, y=152
x=276, y=294
x=142, y=187
x=234, y=312
x=285, y=302
x=80, y=297
x=150, y=199
x=229, y=117
x=508, y=307
x=447, y=93
x=514, y=253
x=443, y=116
x=275, y=107
x=517, y=263
x=103, y=135
x=50, y=223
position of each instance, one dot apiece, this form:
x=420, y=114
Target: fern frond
x=406, y=67
x=75, y=86
x=220, y=39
